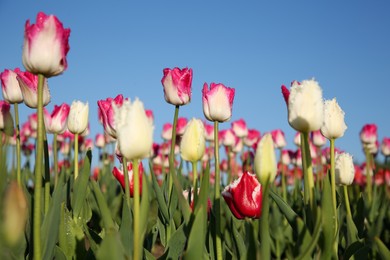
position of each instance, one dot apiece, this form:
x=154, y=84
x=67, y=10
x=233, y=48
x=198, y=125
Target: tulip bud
x=239, y=128
x=217, y=102
x=193, y=142
x=177, y=85
x=305, y=105
x=28, y=83
x=317, y=138
x=78, y=117
x=244, y=196
x=227, y=137
x=265, y=160
x=45, y=46
x=278, y=138
x=56, y=122
x=100, y=141
x=385, y=146
x=344, y=169
x=6, y=121
x=15, y=214
x=209, y=132
x=181, y=125
x=369, y=133
x=119, y=175
x=10, y=86
x=106, y=113
x=135, y=133
x=333, y=126
x=252, y=138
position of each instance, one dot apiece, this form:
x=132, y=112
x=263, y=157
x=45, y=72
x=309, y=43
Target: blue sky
x=121, y=47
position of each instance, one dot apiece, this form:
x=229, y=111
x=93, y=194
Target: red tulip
x=244, y=196
x=118, y=174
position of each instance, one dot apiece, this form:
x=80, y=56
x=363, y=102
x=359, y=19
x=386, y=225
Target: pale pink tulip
x=239, y=128
x=252, y=138
x=177, y=85
x=45, y=46
x=10, y=86
x=317, y=138
x=107, y=115
x=28, y=83
x=279, y=138
x=56, y=121
x=217, y=102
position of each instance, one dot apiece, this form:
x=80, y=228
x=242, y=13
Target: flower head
x=6, y=121
x=333, y=126
x=45, y=46
x=385, y=146
x=57, y=120
x=239, y=128
x=265, y=160
x=119, y=175
x=244, y=196
x=78, y=117
x=177, y=85
x=10, y=86
x=28, y=83
x=279, y=138
x=344, y=169
x=217, y=102
x=305, y=105
x=106, y=113
x=193, y=142
x=134, y=131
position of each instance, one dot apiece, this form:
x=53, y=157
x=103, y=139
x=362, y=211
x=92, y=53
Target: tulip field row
x=198, y=193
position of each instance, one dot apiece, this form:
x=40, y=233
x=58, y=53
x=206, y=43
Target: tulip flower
x=78, y=117
x=209, y=132
x=134, y=132
x=181, y=125
x=318, y=138
x=345, y=169
x=15, y=214
x=333, y=126
x=369, y=134
x=149, y=114
x=265, y=160
x=252, y=138
x=305, y=105
x=6, y=121
x=244, y=196
x=100, y=141
x=193, y=142
x=385, y=146
x=239, y=128
x=217, y=102
x=45, y=46
x=10, y=86
x=167, y=132
x=227, y=137
x=28, y=83
x=279, y=138
x=119, y=175
x=56, y=122
x=106, y=113
x=177, y=85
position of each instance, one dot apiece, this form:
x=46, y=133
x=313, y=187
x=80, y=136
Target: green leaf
x=80, y=186
x=66, y=238
x=197, y=237
x=176, y=244
x=159, y=195
x=307, y=251
x=59, y=254
x=144, y=207
x=148, y=255
x=125, y=229
x=111, y=247
x=357, y=250
x=185, y=208
x=50, y=225
x=102, y=204
x=239, y=241
x=382, y=249
x=328, y=221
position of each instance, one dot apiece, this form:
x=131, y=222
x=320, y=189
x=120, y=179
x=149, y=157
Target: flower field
x=198, y=193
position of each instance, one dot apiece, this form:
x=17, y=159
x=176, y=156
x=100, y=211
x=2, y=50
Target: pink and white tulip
x=252, y=138
x=45, y=46
x=10, y=86
x=6, y=121
x=369, y=134
x=181, y=125
x=279, y=138
x=239, y=128
x=217, y=102
x=28, y=83
x=167, y=132
x=100, y=141
x=56, y=121
x=177, y=85
x=106, y=113
x=318, y=138
x=209, y=132
x=385, y=146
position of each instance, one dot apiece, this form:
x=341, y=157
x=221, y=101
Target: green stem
x=55, y=160
x=307, y=173
x=76, y=156
x=283, y=173
x=217, y=195
x=368, y=176
x=137, y=243
x=127, y=182
x=47, y=172
x=229, y=162
x=172, y=151
x=333, y=189
x=265, y=247
x=346, y=200
x=194, y=174
x=18, y=156
x=38, y=173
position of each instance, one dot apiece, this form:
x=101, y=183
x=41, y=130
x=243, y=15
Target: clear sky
x=121, y=47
